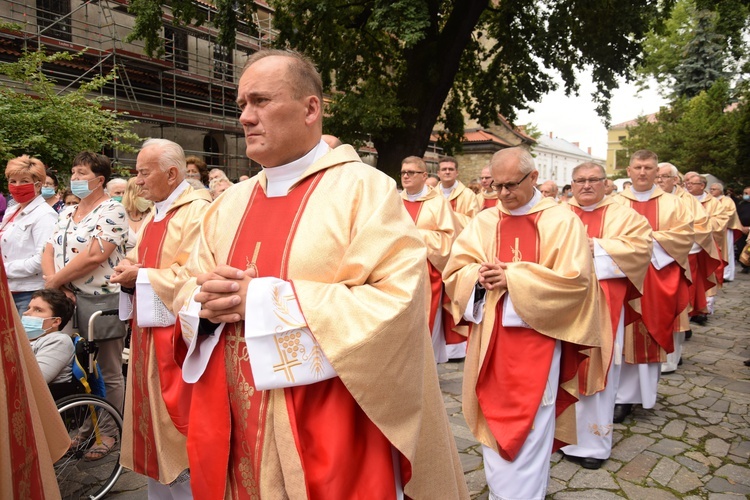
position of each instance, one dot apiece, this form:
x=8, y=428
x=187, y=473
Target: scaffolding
x=186, y=95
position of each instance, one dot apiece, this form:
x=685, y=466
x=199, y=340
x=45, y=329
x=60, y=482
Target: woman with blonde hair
x=137, y=207
x=25, y=229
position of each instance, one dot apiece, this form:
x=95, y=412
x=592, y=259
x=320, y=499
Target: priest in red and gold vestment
x=704, y=260
x=437, y=225
x=157, y=401
x=735, y=229
x=304, y=305
x=620, y=242
x=523, y=272
x=665, y=291
x=487, y=197
x=33, y=435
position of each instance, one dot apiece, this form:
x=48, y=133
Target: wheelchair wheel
x=87, y=418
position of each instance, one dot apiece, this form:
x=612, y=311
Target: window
x=53, y=19
x=176, y=47
x=223, y=63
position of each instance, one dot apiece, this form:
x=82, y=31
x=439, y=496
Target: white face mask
x=34, y=326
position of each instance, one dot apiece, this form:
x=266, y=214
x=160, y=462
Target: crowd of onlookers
x=60, y=244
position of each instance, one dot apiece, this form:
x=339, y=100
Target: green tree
x=742, y=140
x=703, y=62
x=38, y=120
x=395, y=69
x=667, y=46
x=699, y=134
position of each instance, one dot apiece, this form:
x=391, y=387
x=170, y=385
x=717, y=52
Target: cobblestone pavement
x=694, y=444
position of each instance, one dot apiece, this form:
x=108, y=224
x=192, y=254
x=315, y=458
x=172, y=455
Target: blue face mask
x=33, y=326
x=48, y=192
x=117, y=199
x=80, y=188
x=746, y=197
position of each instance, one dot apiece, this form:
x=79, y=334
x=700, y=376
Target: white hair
x=114, y=182
x=171, y=154
x=672, y=169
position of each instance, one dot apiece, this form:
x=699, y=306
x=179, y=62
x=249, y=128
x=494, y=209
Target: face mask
x=22, y=193
x=48, y=192
x=746, y=197
x=142, y=204
x=117, y=199
x=33, y=326
x=80, y=188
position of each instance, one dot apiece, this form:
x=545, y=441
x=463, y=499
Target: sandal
x=101, y=450
x=79, y=441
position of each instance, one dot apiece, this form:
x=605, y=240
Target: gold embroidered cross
x=286, y=364
x=516, y=252
x=251, y=264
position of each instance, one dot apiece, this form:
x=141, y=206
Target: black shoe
x=745, y=270
x=700, y=319
x=621, y=411
x=747, y=362
x=679, y=363
x=688, y=334
x=591, y=463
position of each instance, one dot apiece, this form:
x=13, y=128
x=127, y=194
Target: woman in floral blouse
x=88, y=242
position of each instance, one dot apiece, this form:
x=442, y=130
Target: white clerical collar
x=674, y=190
x=525, y=209
x=593, y=207
x=447, y=191
x=281, y=178
x=719, y=197
x=162, y=207
x=701, y=197
x=415, y=197
x=643, y=195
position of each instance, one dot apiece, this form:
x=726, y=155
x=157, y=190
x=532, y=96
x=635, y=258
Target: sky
x=574, y=118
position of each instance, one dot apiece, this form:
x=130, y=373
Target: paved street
x=695, y=444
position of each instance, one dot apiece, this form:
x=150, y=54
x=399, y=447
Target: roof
x=631, y=123
x=560, y=145
x=480, y=135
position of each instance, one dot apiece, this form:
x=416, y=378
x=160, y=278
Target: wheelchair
x=87, y=415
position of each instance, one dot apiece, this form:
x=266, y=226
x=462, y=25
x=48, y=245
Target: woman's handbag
x=745, y=255
x=106, y=327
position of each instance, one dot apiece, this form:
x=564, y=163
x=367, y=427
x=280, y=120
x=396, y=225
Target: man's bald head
x=548, y=189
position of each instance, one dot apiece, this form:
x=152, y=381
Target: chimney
x=589, y=150
x=577, y=144
x=550, y=135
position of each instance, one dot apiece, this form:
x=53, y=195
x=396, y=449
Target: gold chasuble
x=464, y=203
x=551, y=282
x=665, y=290
x=157, y=401
x=438, y=227
x=357, y=265
x=626, y=237
x=33, y=434
x=703, y=264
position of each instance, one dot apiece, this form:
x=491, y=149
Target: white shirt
x=22, y=243
x=447, y=191
x=415, y=197
x=281, y=178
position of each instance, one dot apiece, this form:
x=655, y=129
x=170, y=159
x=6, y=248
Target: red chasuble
x=619, y=291
x=514, y=374
x=436, y=279
x=21, y=442
x=701, y=267
x=343, y=454
x=665, y=296
x=489, y=203
x=170, y=351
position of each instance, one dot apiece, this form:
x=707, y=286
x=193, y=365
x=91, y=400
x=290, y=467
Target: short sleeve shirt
x=107, y=222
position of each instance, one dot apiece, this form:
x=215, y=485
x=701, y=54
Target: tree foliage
x=703, y=61
x=700, y=134
x=719, y=25
x=55, y=126
x=396, y=68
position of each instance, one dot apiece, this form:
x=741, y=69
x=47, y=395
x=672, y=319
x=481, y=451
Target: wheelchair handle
x=92, y=320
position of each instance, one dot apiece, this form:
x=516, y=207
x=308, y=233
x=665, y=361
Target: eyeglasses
x=593, y=180
x=694, y=184
x=510, y=186
x=411, y=173
x=485, y=178
x=664, y=177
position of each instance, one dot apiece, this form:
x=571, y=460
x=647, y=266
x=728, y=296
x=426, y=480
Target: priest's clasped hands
x=223, y=293
x=492, y=275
